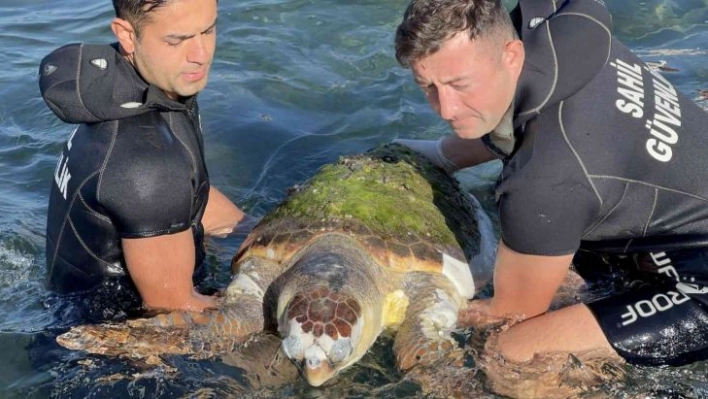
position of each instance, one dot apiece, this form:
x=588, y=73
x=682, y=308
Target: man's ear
x=514, y=55
x=125, y=34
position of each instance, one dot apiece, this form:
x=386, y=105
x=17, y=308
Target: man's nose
x=198, y=51
x=447, y=103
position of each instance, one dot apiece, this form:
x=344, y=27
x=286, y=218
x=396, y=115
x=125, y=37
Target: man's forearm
x=465, y=152
x=161, y=268
x=524, y=285
x=221, y=215
x=451, y=153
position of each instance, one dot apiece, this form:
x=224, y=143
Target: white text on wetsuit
x=667, y=112
x=61, y=173
x=659, y=302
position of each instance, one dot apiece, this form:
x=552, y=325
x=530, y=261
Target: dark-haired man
x=602, y=157
x=131, y=199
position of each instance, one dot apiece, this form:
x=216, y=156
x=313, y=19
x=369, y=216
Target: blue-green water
x=296, y=83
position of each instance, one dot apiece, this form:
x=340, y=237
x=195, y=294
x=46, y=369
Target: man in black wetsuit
x=131, y=199
x=603, y=161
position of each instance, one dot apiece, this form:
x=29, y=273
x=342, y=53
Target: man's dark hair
x=136, y=11
x=428, y=23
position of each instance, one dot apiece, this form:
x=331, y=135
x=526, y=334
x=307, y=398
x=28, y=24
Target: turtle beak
x=317, y=372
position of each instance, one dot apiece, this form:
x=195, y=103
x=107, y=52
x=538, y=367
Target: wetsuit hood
x=83, y=83
x=556, y=35
x=567, y=44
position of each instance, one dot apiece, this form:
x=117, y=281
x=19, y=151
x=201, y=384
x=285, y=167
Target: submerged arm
x=221, y=215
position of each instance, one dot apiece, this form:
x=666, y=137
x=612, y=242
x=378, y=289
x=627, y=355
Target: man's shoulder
x=144, y=152
x=111, y=135
x=566, y=47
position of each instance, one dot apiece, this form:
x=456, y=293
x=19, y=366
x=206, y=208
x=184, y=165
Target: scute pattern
x=324, y=311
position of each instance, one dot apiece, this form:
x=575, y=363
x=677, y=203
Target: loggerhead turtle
x=377, y=240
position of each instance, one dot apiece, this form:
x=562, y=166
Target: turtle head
x=330, y=306
x=322, y=331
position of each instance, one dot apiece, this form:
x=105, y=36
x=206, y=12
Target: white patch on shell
x=442, y=316
x=459, y=274
x=244, y=284
x=469, y=278
x=270, y=253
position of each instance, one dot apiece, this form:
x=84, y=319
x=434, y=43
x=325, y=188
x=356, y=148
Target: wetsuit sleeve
x=565, y=50
x=146, y=188
x=540, y=218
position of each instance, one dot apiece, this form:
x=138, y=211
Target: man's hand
x=451, y=153
x=524, y=286
x=477, y=313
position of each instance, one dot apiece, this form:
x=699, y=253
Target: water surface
x=296, y=83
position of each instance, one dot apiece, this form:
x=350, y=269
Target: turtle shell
x=400, y=207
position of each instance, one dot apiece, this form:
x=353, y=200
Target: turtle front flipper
x=223, y=330
x=424, y=336
x=207, y=334
x=124, y=340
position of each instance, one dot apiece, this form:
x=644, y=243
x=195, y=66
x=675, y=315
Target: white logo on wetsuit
x=666, y=118
x=49, y=69
x=662, y=302
x=100, y=63
x=534, y=22
x=131, y=105
x=61, y=173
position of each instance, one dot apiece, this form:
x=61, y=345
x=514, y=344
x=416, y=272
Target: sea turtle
x=377, y=240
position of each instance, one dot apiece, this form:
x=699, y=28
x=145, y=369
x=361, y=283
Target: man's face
x=176, y=46
x=469, y=83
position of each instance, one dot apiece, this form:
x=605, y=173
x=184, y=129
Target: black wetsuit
x=133, y=167
x=608, y=156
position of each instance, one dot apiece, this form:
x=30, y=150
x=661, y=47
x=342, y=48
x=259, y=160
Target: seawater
x=295, y=84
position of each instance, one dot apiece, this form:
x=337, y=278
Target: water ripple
x=295, y=84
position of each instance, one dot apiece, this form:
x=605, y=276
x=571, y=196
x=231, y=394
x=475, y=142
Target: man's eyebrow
x=176, y=36
x=456, y=80
x=211, y=27
x=422, y=82
x=179, y=37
